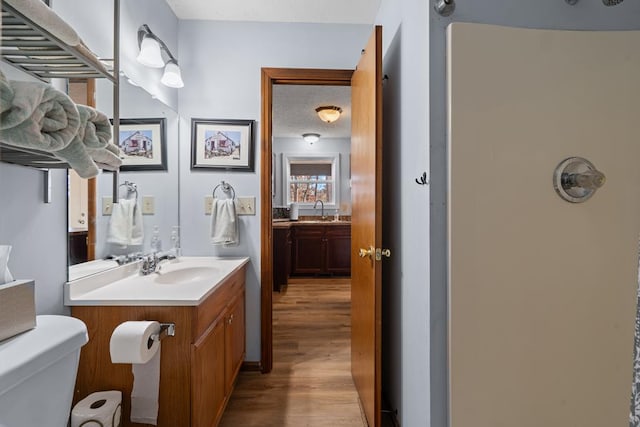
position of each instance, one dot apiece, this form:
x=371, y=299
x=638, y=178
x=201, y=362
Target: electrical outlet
x=208, y=205
x=246, y=205
x=148, y=205
x=107, y=205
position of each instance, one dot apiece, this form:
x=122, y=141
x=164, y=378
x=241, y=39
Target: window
x=309, y=178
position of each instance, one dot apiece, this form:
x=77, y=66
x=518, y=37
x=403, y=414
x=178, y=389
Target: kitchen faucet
x=322, y=208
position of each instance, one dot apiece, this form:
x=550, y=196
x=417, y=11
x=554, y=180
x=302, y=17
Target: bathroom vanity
x=199, y=365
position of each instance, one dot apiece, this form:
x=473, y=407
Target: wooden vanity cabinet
x=321, y=249
x=198, y=366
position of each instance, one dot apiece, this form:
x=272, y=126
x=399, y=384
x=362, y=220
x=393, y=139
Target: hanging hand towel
x=125, y=226
x=224, y=222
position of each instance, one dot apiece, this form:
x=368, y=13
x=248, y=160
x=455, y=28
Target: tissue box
x=17, y=308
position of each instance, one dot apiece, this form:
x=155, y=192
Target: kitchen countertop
x=287, y=223
x=124, y=286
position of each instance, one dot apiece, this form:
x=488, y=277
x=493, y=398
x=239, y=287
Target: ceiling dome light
x=329, y=113
x=311, y=137
x=172, y=76
x=150, y=55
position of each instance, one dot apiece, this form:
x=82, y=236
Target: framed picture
x=143, y=143
x=222, y=144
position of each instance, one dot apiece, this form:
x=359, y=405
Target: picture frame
x=143, y=144
x=222, y=144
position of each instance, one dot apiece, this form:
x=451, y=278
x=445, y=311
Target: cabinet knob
x=230, y=319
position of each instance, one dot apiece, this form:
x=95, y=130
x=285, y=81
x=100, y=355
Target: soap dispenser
x=156, y=243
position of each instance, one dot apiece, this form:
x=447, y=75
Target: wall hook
x=444, y=7
x=422, y=180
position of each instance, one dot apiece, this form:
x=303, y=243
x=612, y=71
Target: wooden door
x=366, y=225
x=542, y=291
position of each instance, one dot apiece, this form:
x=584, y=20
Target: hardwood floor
x=311, y=383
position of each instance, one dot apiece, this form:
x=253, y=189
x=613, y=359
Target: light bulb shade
x=172, y=76
x=150, y=54
x=329, y=113
x=311, y=137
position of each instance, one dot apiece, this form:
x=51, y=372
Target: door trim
x=269, y=77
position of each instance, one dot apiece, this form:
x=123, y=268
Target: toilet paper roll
x=99, y=409
x=131, y=342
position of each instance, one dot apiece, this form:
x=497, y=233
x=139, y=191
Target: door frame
x=270, y=77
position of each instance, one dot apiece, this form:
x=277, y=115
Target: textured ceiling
x=294, y=111
x=326, y=11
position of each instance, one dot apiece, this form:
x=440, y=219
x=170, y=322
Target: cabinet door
x=308, y=250
x=235, y=340
x=338, y=249
x=208, y=376
x=281, y=257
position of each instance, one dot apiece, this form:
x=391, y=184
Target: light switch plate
x=107, y=205
x=246, y=205
x=148, y=205
x=208, y=205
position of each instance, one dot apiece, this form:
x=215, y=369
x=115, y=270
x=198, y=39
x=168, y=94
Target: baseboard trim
x=251, y=366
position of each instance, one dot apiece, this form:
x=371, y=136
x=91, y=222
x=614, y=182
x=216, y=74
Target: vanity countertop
x=186, y=281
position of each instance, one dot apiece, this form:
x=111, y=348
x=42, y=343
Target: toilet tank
x=38, y=372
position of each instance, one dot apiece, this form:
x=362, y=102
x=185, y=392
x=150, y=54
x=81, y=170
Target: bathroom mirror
x=158, y=187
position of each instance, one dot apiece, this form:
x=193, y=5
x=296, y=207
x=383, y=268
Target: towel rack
x=131, y=188
x=226, y=188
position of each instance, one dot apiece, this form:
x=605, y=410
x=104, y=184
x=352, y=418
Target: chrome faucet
x=322, y=208
x=151, y=263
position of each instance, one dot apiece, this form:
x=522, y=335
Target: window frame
x=332, y=158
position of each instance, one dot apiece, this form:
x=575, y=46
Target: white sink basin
x=185, y=281
x=184, y=275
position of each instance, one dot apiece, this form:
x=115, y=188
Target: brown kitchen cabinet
x=281, y=256
x=198, y=366
x=321, y=250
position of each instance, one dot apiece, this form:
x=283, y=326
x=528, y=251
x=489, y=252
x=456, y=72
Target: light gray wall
x=221, y=64
x=325, y=145
x=37, y=231
x=405, y=316
x=551, y=14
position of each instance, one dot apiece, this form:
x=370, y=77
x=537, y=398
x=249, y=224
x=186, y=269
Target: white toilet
x=38, y=373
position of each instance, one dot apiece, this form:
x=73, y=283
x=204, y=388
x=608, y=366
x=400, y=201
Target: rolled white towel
x=36, y=115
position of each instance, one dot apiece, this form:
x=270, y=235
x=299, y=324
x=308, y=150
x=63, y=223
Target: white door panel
x=542, y=291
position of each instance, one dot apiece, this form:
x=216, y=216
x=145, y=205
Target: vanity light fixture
x=329, y=113
x=151, y=48
x=311, y=138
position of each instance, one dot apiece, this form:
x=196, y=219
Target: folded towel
x=105, y=157
x=125, y=225
x=224, y=222
x=76, y=155
x=35, y=115
x=42, y=15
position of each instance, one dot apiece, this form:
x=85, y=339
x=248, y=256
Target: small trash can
x=99, y=409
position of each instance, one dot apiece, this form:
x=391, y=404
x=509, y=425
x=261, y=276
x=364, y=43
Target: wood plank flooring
x=311, y=383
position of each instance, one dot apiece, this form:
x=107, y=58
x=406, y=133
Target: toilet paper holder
x=166, y=330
